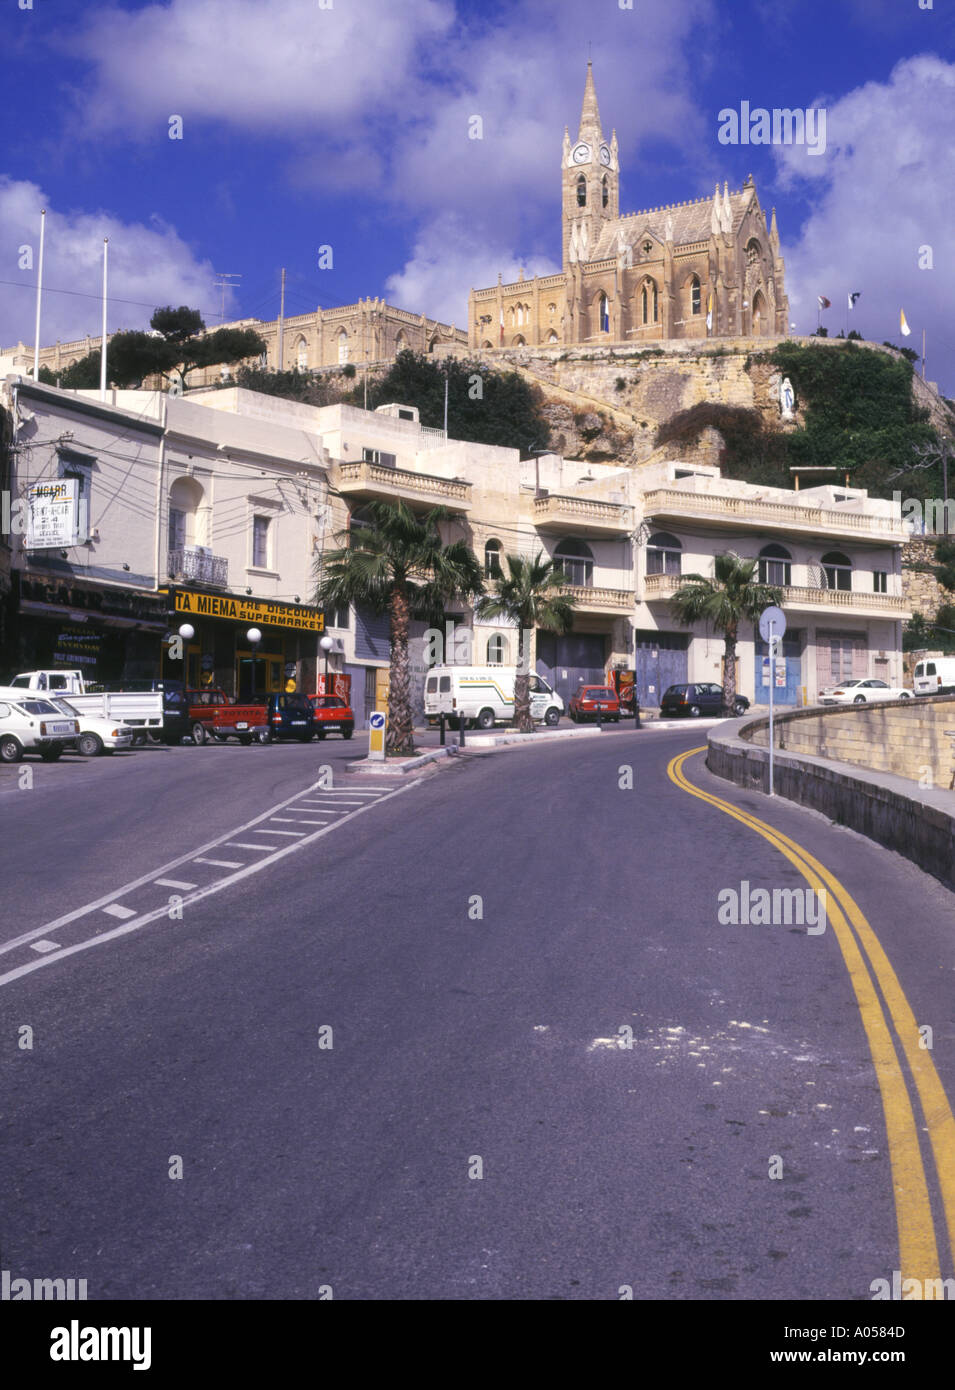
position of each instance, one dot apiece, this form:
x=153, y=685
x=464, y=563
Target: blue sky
x=345, y=123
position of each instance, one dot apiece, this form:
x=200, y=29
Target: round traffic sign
x=376, y=720
x=772, y=616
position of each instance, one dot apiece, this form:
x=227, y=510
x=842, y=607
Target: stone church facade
x=706, y=268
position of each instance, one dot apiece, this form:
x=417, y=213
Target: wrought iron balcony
x=195, y=563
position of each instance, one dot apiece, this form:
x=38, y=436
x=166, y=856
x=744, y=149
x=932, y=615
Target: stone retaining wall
x=906, y=737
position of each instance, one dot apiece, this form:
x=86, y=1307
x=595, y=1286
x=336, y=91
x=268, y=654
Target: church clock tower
x=590, y=172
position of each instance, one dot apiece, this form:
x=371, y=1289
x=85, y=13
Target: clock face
x=581, y=154
x=605, y=155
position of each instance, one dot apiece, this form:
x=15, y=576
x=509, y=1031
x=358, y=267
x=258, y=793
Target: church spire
x=590, y=128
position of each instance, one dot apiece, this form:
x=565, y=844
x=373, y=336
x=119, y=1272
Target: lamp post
x=254, y=637
x=186, y=632
x=326, y=645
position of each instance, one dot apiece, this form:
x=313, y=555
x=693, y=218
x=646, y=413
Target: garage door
x=660, y=659
x=565, y=662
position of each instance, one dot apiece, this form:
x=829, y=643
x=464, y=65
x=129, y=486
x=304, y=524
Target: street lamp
x=186, y=632
x=326, y=645
x=253, y=637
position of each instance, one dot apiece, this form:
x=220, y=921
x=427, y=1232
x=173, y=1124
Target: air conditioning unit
x=337, y=647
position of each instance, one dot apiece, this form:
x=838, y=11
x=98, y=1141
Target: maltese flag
x=903, y=323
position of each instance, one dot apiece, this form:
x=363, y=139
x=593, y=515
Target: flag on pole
x=824, y=303
x=903, y=323
x=709, y=313
x=853, y=297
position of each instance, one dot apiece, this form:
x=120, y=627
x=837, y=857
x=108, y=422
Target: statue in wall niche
x=787, y=399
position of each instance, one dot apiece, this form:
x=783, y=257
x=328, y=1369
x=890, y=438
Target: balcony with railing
x=198, y=566
x=588, y=599
x=367, y=479
x=679, y=504
x=797, y=596
x=582, y=516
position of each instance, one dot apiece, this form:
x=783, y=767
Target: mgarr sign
x=51, y=514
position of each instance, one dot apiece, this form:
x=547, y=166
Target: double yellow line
x=868, y=965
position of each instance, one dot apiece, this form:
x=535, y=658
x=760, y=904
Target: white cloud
x=288, y=65
x=150, y=265
x=885, y=188
x=449, y=259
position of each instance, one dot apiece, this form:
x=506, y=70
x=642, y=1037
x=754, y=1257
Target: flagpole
x=102, y=356
x=923, y=354
x=39, y=296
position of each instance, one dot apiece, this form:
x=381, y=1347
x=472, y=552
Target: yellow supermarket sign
x=250, y=610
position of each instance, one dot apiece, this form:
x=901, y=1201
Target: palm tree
x=399, y=565
x=723, y=601
x=532, y=595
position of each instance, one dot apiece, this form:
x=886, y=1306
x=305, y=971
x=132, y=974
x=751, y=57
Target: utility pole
x=280, y=348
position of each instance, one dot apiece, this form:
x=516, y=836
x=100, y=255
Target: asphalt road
x=479, y=945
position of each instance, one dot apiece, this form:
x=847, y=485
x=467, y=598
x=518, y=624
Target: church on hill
x=707, y=268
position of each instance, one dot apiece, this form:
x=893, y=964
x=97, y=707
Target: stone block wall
x=907, y=737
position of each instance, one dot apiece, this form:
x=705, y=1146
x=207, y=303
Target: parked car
x=590, y=700
x=175, y=710
x=935, y=677
x=142, y=711
x=213, y=717
x=332, y=714
x=698, y=698
x=484, y=695
x=862, y=692
x=290, y=715
x=32, y=724
x=97, y=735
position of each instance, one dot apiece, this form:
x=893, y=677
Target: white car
x=97, y=735
x=32, y=724
x=862, y=692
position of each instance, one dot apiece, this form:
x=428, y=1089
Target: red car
x=332, y=715
x=591, y=699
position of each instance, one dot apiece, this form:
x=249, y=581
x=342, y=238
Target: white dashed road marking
x=132, y=919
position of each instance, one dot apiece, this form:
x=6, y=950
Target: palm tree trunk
x=400, y=736
x=729, y=668
x=522, y=694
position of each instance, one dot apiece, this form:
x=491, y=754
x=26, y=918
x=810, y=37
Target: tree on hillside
x=484, y=406
x=723, y=602
x=533, y=594
x=399, y=565
x=178, y=340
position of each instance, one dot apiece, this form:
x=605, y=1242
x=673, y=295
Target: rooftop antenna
x=222, y=282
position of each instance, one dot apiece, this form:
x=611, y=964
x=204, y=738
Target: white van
x=935, y=676
x=484, y=695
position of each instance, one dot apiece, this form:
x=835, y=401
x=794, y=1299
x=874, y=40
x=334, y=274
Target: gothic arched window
x=605, y=191
x=302, y=361
x=581, y=192
x=696, y=295
x=342, y=348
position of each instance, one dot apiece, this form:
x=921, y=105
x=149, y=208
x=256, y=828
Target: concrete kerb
x=893, y=811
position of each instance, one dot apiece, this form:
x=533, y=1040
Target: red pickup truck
x=212, y=715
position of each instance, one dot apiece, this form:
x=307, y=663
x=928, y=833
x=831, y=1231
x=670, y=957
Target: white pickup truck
x=142, y=712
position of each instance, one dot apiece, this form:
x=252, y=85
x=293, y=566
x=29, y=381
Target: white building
x=198, y=509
